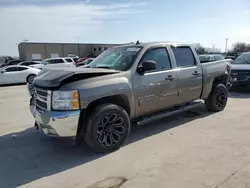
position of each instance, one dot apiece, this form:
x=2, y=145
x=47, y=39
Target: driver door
x=156, y=90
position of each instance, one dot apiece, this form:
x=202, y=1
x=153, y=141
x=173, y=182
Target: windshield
x=87, y=61
x=120, y=58
x=44, y=62
x=242, y=59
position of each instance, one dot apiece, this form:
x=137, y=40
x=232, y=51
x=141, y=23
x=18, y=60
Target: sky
x=208, y=22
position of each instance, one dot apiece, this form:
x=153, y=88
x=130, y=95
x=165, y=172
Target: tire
x=217, y=98
x=30, y=78
x=102, y=134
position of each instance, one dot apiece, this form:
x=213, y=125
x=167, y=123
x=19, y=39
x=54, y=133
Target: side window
x=34, y=63
x=21, y=68
x=211, y=58
x=11, y=69
x=69, y=60
x=218, y=58
x=184, y=56
x=160, y=56
x=26, y=64
x=56, y=61
x=49, y=61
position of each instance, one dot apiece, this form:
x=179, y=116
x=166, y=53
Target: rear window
x=184, y=56
x=69, y=60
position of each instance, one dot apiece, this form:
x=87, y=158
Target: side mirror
x=146, y=66
x=2, y=71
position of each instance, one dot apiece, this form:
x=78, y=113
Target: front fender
x=97, y=88
x=106, y=88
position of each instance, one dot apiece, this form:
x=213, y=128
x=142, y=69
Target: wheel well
x=120, y=100
x=220, y=80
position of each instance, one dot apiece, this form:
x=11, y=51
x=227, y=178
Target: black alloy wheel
x=221, y=98
x=110, y=129
x=217, y=99
x=106, y=128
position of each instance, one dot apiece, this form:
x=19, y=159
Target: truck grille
x=42, y=99
x=241, y=75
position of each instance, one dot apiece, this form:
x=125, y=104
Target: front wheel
x=107, y=128
x=217, y=98
x=30, y=78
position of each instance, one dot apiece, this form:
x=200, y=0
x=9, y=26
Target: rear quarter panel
x=211, y=70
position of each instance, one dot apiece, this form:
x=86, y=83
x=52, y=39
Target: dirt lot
x=192, y=150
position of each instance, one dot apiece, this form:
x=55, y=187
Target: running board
x=168, y=113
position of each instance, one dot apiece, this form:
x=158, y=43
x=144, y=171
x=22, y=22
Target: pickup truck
x=240, y=75
x=135, y=83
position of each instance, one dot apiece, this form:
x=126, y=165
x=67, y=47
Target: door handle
x=196, y=73
x=169, y=78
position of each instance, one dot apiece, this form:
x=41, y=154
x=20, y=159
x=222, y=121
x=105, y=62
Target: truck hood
x=240, y=66
x=56, y=77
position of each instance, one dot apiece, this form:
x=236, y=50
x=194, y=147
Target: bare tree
x=200, y=49
x=213, y=50
x=240, y=47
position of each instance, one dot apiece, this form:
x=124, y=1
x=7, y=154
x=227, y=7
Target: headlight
x=65, y=100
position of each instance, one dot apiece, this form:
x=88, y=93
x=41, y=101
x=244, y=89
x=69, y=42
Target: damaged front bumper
x=56, y=123
x=53, y=123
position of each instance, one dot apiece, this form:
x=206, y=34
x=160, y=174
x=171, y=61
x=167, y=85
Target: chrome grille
x=42, y=99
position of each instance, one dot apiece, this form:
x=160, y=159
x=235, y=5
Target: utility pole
x=226, y=45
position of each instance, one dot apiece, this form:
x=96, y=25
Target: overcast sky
x=207, y=22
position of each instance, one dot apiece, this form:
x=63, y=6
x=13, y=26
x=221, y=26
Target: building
x=37, y=51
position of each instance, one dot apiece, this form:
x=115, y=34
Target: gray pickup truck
x=135, y=83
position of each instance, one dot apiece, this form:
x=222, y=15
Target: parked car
x=136, y=83
x=56, y=62
x=5, y=59
x=75, y=59
x=30, y=63
x=210, y=57
x=12, y=62
x=232, y=55
x=241, y=70
x=85, y=62
x=17, y=74
x=81, y=60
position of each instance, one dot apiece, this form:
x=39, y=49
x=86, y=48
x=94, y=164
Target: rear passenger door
x=189, y=74
x=155, y=90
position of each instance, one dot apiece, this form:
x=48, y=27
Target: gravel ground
x=193, y=150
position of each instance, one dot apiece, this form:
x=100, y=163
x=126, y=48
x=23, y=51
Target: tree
x=213, y=50
x=200, y=49
x=239, y=47
x=248, y=48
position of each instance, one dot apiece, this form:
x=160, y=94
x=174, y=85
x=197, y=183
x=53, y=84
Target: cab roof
x=149, y=44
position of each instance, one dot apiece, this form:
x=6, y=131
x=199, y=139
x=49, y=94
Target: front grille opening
x=41, y=104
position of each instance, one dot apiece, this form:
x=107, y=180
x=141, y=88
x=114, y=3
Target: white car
x=56, y=62
x=30, y=63
x=17, y=74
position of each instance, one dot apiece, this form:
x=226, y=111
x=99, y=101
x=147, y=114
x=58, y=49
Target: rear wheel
x=217, y=99
x=107, y=128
